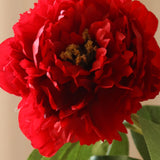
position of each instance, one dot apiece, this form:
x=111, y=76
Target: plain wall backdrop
x=13, y=144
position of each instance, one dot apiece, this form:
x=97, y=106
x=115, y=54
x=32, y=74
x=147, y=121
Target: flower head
x=82, y=67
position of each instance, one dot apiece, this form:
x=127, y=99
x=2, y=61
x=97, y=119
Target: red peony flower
x=82, y=67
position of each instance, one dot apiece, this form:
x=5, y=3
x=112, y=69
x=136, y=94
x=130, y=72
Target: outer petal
x=144, y=19
x=109, y=110
x=27, y=28
x=9, y=80
x=82, y=128
x=152, y=70
x=43, y=132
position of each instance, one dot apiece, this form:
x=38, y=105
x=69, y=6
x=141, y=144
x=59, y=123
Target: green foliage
x=141, y=145
x=151, y=113
x=151, y=133
x=35, y=155
x=77, y=152
x=111, y=158
x=100, y=148
x=119, y=147
x=70, y=151
x=149, y=118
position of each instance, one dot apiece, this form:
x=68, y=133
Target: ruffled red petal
x=11, y=75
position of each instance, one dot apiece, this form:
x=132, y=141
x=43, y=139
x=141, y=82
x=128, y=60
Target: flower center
x=82, y=55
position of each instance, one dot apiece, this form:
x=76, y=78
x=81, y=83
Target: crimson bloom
x=82, y=67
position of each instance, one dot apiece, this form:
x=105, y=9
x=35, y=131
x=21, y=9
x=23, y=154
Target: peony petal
x=100, y=58
x=7, y=72
x=30, y=21
x=82, y=128
x=147, y=20
x=33, y=125
x=106, y=116
x=35, y=46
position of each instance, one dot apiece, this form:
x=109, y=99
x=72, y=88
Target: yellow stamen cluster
x=82, y=55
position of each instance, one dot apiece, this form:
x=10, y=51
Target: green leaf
x=119, y=147
x=100, y=148
x=35, y=155
x=45, y=158
x=151, y=133
x=150, y=123
x=151, y=113
x=73, y=151
x=111, y=158
x=141, y=145
x=76, y=151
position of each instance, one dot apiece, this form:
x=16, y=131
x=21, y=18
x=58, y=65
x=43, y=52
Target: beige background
x=13, y=145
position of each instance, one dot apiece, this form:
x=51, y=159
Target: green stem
x=135, y=119
x=136, y=127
